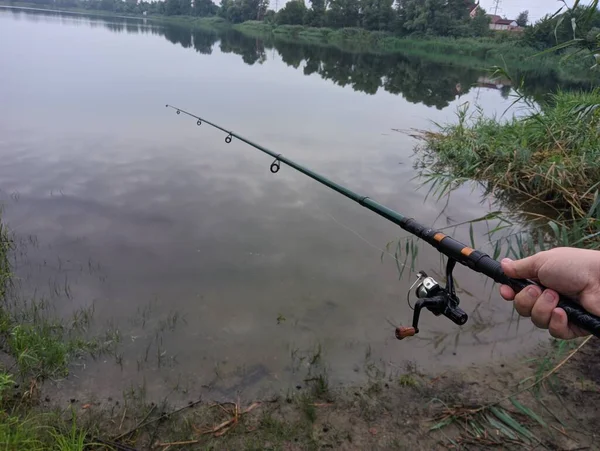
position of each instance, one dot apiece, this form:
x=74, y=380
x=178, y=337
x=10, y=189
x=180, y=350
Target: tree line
x=416, y=79
x=400, y=17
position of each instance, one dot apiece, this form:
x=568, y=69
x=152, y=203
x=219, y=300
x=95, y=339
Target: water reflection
x=418, y=80
x=155, y=219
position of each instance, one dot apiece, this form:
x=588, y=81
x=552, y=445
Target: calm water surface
x=214, y=270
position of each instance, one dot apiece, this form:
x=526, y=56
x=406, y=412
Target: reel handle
x=405, y=332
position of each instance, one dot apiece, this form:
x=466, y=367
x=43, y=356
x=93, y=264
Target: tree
x=204, y=8
x=523, y=18
x=292, y=13
x=315, y=16
x=435, y=17
x=343, y=13
x=225, y=4
x=177, y=7
x=237, y=11
x=480, y=25
x=377, y=14
x=550, y=31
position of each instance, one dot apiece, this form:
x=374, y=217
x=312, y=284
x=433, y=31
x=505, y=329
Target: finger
x=526, y=268
x=543, y=307
x=507, y=292
x=525, y=300
x=559, y=325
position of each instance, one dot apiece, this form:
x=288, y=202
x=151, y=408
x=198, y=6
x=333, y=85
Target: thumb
x=526, y=268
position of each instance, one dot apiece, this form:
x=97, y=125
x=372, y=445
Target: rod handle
x=575, y=312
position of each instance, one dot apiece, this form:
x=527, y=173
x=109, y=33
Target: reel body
x=435, y=298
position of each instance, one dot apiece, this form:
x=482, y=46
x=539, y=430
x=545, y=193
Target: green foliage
x=408, y=380
x=480, y=25
x=38, y=350
x=238, y=11
x=438, y=17
x=546, y=161
x=74, y=440
x=523, y=18
x=177, y=7
x=292, y=13
x=307, y=407
x=22, y=430
x=6, y=245
x=558, y=29
x=378, y=15
x=204, y=8
x=20, y=433
x=343, y=13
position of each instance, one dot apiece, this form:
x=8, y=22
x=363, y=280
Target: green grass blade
x=504, y=416
x=527, y=411
x=501, y=427
x=445, y=422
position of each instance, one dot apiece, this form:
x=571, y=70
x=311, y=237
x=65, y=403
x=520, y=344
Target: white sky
x=536, y=8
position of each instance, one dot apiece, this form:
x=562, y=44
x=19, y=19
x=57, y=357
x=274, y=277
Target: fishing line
x=433, y=297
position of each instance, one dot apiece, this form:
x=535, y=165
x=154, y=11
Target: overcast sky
x=536, y=8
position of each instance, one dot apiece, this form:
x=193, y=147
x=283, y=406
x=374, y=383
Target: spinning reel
x=438, y=300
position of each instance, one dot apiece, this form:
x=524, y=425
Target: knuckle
x=522, y=310
x=525, y=300
x=539, y=322
x=541, y=314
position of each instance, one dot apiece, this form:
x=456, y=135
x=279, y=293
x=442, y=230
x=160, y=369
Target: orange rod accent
x=439, y=237
x=467, y=251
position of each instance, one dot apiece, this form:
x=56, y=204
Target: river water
x=214, y=270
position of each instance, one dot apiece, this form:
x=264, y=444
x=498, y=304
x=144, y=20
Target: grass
x=206, y=23
x=507, y=420
x=41, y=348
x=545, y=164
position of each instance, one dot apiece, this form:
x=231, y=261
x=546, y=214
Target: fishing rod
x=432, y=296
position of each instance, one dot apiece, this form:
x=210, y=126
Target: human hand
x=569, y=271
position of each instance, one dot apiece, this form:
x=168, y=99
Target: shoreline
x=473, y=53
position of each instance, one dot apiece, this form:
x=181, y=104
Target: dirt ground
x=549, y=401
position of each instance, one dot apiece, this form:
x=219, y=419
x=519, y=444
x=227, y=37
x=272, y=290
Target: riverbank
x=503, y=50
x=559, y=143
x=522, y=401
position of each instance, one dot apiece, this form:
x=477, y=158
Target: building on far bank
x=497, y=23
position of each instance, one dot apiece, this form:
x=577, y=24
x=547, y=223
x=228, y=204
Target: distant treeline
x=418, y=79
x=450, y=18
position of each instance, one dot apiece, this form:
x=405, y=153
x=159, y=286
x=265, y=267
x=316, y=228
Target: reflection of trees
x=115, y=27
x=252, y=50
x=421, y=81
x=132, y=27
x=418, y=80
x=178, y=35
x=203, y=42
